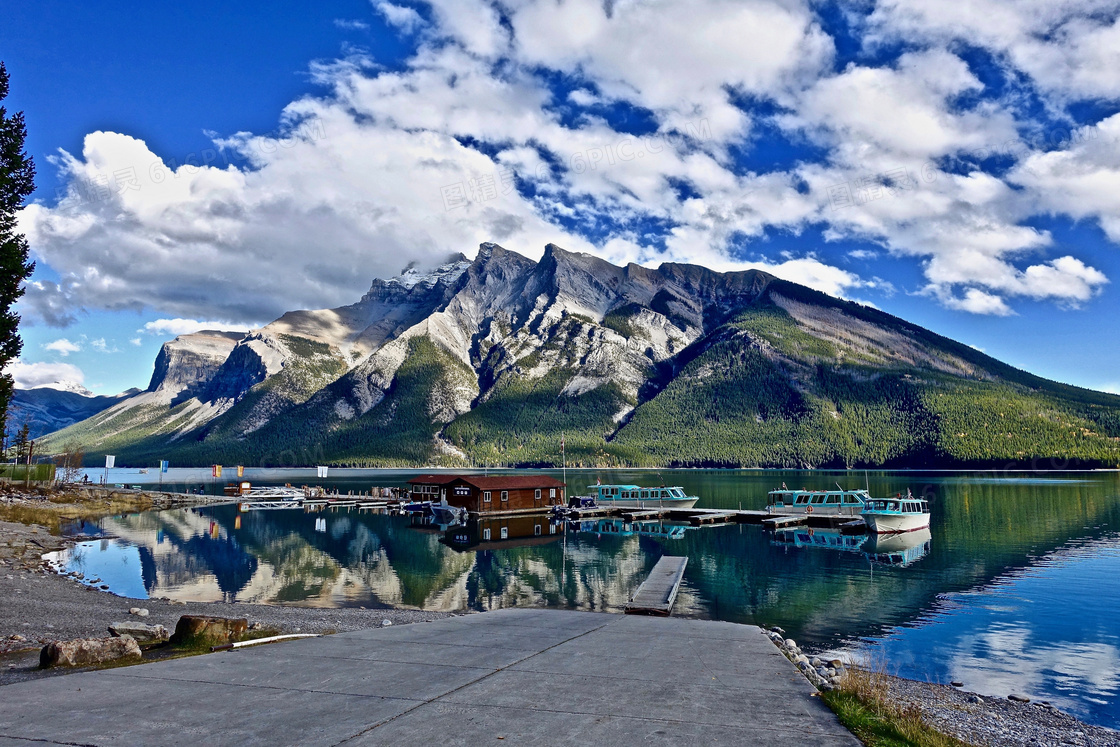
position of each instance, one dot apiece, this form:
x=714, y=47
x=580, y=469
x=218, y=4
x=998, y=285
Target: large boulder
x=86, y=651
x=144, y=634
x=204, y=630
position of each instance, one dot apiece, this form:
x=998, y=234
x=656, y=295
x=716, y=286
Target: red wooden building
x=490, y=493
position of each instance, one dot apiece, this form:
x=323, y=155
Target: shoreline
x=42, y=605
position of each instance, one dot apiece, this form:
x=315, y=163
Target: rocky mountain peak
x=190, y=360
x=72, y=387
x=446, y=274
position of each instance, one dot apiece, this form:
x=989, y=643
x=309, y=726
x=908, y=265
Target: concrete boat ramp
x=521, y=676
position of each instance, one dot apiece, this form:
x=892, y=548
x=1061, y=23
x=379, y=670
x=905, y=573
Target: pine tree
x=17, y=182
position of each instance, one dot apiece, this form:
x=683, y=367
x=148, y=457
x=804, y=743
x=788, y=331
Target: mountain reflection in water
x=921, y=598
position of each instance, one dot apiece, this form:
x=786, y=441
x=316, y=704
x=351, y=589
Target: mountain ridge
x=492, y=360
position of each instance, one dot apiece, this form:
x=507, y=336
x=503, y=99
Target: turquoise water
x=1015, y=588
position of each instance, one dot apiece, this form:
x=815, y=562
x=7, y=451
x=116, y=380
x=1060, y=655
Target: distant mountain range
x=50, y=408
x=494, y=361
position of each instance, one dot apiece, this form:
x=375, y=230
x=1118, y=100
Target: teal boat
x=635, y=496
x=827, y=502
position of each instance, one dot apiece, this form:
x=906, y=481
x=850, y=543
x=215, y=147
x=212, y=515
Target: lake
x=1015, y=588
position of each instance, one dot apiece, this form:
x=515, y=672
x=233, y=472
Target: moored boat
x=635, y=496
x=827, y=502
x=898, y=514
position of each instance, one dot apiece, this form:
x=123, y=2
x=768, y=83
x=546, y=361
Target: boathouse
x=485, y=494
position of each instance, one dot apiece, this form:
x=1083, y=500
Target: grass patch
x=863, y=704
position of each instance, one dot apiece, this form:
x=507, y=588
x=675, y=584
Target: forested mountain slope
x=492, y=361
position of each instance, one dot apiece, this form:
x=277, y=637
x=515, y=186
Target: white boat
x=826, y=502
x=635, y=496
x=898, y=514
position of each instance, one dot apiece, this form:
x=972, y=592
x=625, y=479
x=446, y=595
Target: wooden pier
x=716, y=517
x=778, y=522
x=657, y=593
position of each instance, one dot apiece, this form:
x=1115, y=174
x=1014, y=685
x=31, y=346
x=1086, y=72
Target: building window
x=485, y=534
x=505, y=497
x=552, y=529
x=537, y=494
x=552, y=492
x=537, y=530
x=505, y=532
x=486, y=499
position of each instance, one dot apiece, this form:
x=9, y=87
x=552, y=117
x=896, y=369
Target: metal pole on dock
x=563, y=462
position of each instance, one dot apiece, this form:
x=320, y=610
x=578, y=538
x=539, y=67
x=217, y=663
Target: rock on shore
x=87, y=651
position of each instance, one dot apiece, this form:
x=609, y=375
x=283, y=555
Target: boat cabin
x=898, y=505
x=819, y=498
x=484, y=494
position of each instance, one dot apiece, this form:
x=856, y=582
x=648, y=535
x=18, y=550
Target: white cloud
x=814, y=273
x=348, y=24
x=1070, y=48
x=1081, y=180
x=682, y=60
x=136, y=341
x=31, y=375
x=583, y=97
x=877, y=117
x=102, y=346
x=977, y=301
x=373, y=174
x=176, y=327
x=402, y=17
x=63, y=346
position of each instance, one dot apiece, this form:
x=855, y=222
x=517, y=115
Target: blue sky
x=202, y=165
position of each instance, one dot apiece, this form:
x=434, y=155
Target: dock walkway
x=521, y=675
x=658, y=592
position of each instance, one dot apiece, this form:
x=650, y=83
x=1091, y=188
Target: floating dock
x=713, y=516
x=658, y=592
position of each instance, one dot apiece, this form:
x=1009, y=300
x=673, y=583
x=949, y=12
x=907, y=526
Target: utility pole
x=30, y=449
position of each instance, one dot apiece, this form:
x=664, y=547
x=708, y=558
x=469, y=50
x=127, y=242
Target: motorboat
x=635, y=496
x=898, y=514
x=439, y=511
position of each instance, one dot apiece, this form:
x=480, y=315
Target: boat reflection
x=828, y=539
x=898, y=549
x=620, y=528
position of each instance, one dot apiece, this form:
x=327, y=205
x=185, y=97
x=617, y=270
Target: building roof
x=491, y=482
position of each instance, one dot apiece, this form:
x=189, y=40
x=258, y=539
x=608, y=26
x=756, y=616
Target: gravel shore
x=997, y=722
